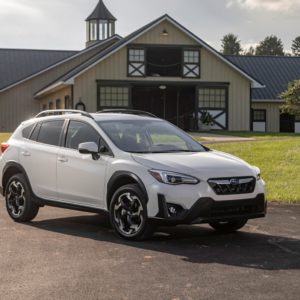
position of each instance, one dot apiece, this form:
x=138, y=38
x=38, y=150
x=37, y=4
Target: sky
x=59, y=24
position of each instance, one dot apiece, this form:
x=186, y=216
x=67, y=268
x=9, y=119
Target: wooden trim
x=181, y=82
x=193, y=47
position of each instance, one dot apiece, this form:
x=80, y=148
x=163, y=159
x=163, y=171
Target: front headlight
x=257, y=172
x=173, y=178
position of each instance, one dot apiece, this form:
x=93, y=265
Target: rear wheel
x=230, y=226
x=128, y=213
x=19, y=204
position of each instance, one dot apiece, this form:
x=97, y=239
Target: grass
x=4, y=137
x=257, y=135
x=278, y=159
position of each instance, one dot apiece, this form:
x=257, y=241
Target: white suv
x=140, y=169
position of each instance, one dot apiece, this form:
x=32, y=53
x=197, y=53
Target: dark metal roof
x=275, y=72
x=101, y=13
x=18, y=64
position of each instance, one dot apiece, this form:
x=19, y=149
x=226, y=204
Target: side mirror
x=89, y=148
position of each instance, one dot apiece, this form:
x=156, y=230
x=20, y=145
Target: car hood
x=204, y=165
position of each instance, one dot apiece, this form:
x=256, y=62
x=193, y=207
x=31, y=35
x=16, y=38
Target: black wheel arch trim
x=13, y=164
x=118, y=175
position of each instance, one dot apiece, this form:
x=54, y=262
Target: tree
x=292, y=99
x=296, y=46
x=249, y=51
x=231, y=45
x=271, y=45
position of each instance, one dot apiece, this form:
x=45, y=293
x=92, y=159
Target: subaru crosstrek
x=140, y=169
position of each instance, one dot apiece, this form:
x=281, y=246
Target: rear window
x=50, y=132
x=27, y=130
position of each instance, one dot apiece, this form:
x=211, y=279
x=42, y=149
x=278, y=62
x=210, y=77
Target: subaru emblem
x=234, y=181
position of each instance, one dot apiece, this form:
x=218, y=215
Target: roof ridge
x=23, y=49
x=261, y=56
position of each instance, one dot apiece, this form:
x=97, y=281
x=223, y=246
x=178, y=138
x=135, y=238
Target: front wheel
x=19, y=204
x=128, y=213
x=230, y=226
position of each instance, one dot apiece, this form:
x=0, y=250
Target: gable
x=174, y=37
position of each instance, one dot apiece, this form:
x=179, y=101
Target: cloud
x=272, y=5
x=17, y=7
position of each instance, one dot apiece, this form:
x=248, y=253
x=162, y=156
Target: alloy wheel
x=128, y=214
x=16, y=198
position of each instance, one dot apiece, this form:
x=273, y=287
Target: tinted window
x=78, y=133
x=35, y=132
x=27, y=130
x=50, y=132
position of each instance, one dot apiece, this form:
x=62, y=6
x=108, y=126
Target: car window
x=50, y=132
x=79, y=132
x=35, y=133
x=149, y=136
x=27, y=130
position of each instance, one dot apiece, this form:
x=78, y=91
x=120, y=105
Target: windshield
x=149, y=136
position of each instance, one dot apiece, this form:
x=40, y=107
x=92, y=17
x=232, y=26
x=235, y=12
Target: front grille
x=233, y=185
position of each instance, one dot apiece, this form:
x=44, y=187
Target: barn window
x=212, y=98
x=58, y=104
x=136, y=62
x=191, y=63
x=259, y=115
x=114, y=96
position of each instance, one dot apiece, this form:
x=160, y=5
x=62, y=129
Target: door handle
x=25, y=153
x=62, y=159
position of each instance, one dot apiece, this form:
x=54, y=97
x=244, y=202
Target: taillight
x=4, y=147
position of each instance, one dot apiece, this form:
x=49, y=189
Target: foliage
x=207, y=119
x=231, y=45
x=271, y=45
x=296, y=46
x=292, y=99
x=249, y=51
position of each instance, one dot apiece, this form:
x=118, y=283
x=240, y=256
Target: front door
x=287, y=123
x=80, y=179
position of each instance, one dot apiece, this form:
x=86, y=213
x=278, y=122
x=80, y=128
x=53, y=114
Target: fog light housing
x=174, y=210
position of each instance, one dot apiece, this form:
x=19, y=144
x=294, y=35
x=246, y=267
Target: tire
x=128, y=213
x=228, y=227
x=18, y=198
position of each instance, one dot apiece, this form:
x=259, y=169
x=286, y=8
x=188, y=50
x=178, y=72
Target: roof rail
x=127, y=111
x=56, y=112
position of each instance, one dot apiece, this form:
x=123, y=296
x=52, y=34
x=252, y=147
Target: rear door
x=80, y=179
x=39, y=158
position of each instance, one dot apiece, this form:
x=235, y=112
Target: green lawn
x=279, y=161
x=256, y=135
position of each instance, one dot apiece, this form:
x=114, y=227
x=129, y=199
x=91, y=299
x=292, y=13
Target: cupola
x=100, y=25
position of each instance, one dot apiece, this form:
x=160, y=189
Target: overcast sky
x=59, y=24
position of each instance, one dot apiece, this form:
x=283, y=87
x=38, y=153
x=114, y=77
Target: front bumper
x=207, y=210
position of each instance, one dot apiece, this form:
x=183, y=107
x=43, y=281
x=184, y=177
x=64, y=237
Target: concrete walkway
x=216, y=138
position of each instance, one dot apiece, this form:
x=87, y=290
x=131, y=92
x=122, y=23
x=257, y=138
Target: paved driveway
x=71, y=255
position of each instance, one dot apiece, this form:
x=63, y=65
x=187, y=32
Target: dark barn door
x=173, y=103
x=287, y=123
